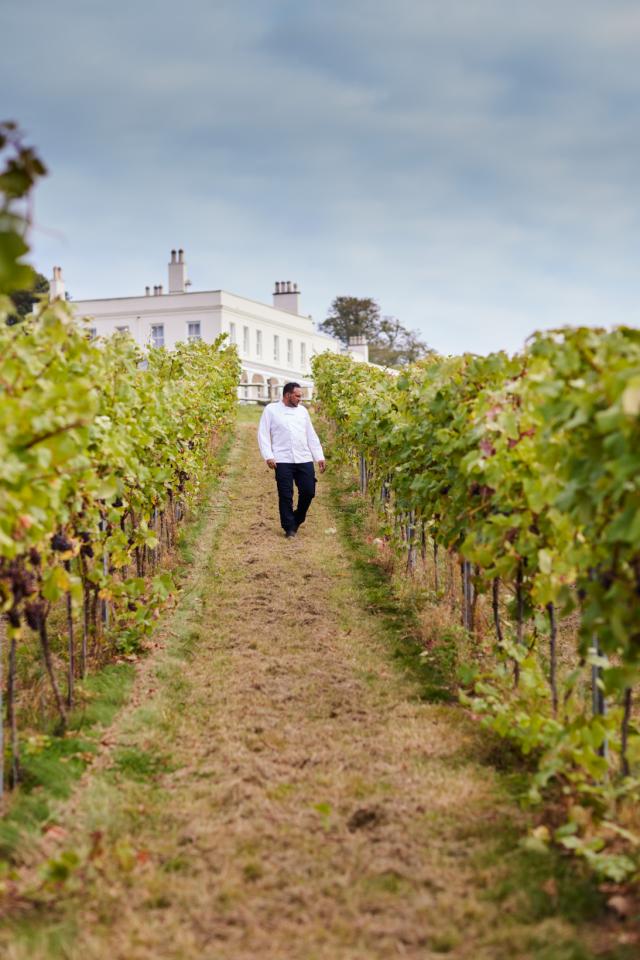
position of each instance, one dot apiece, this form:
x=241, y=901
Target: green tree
x=390, y=343
x=24, y=300
x=394, y=346
x=352, y=317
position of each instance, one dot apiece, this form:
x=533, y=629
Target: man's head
x=291, y=394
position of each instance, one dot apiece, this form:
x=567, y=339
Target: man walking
x=289, y=444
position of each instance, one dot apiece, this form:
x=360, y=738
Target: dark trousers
x=304, y=477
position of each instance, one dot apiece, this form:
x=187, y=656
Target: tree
x=395, y=346
x=24, y=300
x=390, y=343
x=352, y=317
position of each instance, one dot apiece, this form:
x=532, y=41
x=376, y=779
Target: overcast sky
x=473, y=166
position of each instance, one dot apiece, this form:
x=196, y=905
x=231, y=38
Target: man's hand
x=322, y=466
x=272, y=464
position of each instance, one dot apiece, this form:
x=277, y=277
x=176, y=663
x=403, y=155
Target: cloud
x=472, y=167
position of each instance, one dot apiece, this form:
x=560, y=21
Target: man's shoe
x=290, y=533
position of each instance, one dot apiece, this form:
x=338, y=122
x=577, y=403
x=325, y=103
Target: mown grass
x=532, y=886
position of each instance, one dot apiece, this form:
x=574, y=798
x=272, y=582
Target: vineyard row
x=102, y=450
x=527, y=470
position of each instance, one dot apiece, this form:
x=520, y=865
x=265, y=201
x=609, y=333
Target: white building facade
x=274, y=341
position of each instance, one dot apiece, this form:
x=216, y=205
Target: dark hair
x=289, y=387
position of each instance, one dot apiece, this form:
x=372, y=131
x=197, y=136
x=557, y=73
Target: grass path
x=277, y=789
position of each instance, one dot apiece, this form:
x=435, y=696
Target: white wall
x=216, y=311
x=174, y=311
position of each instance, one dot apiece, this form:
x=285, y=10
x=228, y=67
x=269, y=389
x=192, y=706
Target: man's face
x=293, y=399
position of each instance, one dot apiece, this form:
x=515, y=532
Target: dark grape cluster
x=86, y=550
x=22, y=581
x=34, y=612
x=60, y=542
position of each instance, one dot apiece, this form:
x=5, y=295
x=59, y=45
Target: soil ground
x=278, y=788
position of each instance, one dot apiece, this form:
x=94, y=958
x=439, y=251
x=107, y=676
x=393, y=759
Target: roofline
x=190, y=293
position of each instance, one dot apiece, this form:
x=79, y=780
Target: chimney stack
x=56, y=285
x=287, y=297
x=177, y=273
x=359, y=348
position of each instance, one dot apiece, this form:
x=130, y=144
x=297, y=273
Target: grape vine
x=527, y=470
x=102, y=451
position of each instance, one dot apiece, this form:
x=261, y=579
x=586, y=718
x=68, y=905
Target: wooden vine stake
x=2, y=636
x=411, y=543
x=363, y=475
x=71, y=648
x=553, y=657
x=86, y=614
x=436, y=577
x=598, y=699
x=12, y=716
x=14, y=774
x=48, y=662
x=467, y=595
x=495, y=606
x=624, y=732
x=105, y=570
x=519, y=619
x=451, y=580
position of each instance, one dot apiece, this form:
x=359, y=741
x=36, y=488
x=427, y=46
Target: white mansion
x=275, y=342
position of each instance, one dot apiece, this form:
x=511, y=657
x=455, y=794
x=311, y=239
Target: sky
x=472, y=166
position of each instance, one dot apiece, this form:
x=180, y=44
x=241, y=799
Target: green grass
x=398, y=618
x=51, y=765
x=54, y=941
x=537, y=884
x=141, y=765
x=190, y=532
x=107, y=690
x=541, y=885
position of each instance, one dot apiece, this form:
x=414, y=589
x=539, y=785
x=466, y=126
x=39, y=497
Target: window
x=157, y=334
x=276, y=347
x=303, y=354
x=193, y=331
x=290, y=352
x=92, y=333
x=245, y=340
x=122, y=329
x=259, y=342
x=232, y=333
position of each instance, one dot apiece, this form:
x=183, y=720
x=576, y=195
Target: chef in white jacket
x=290, y=445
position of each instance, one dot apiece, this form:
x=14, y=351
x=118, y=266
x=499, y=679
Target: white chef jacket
x=286, y=435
